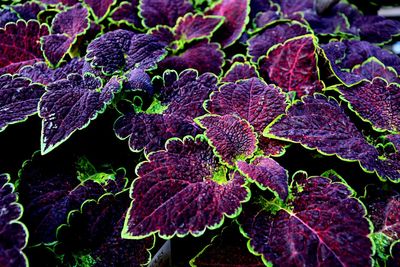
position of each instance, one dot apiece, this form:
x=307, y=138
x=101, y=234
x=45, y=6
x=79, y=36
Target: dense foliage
x=248, y=132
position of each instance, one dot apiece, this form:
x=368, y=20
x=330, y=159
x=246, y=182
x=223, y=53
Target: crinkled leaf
x=151, y=131
x=352, y=53
x=313, y=229
x=19, y=99
x=70, y=104
x=64, y=2
x=232, y=137
x=13, y=233
x=192, y=27
x=122, y=50
x=376, y=29
x=41, y=73
x=266, y=173
x=204, y=57
x=163, y=12
x=28, y=10
x=50, y=188
x=66, y=26
x=183, y=190
x=293, y=66
x=375, y=101
x=372, y=68
x=271, y=147
x=100, y=8
x=164, y=34
x=227, y=249
x=127, y=12
x=257, y=6
x=20, y=45
x=94, y=232
x=180, y=101
x=252, y=100
x=240, y=71
x=320, y=123
x=263, y=41
x=236, y=13
x=138, y=79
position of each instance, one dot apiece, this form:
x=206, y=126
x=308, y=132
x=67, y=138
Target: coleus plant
x=263, y=129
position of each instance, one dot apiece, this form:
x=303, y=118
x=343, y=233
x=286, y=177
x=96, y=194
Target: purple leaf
x=236, y=13
x=267, y=174
x=183, y=190
x=267, y=17
x=240, y=71
x=320, y=123
x=293, y=66
x=354, y=53
x=20, y=46
x=100, y=8
x=164, y=34
x=288, y=7
x=138, y=79
x=373, y=68
x=252, y=100
x=312, y=229
x=376, y=101
x=163, y=12
x=66, y=26
x=121, y=50
x=64, y=2
x=95, y=232
x=127, y=12
x=7, y=15
x=28, y=10
x=70, y=104
x=334, y=24
x=192, y=27
x=204, y=57
x=227, y=249
x=262, y=42
x=376, y=29
x=384, y=210
x=19, y=98
x=14, y=235
x=232, y=137
x=41, y=73
x=50, y=188
x=271, y=147
x=180, y=101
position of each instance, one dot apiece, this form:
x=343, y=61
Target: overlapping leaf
x=127, y=12
x=121, y=50
x=352, y=53
x=203, y=56
x=19, y=98
x=232, y=137
x=93, y=234
x=163, y=12
x=50, y=188
x=293, y=66
x=320, y=123
x=171, y=114
x=266, y=173
x=276, y=34
x=313, y=229
x=240, y=71
x=13, y=234
x=70, y=104
x=377, y=102
x=100, y=8
x=20, y=46
x=182, y=190
x=66, y=26
x=373, y=68
x=236, y=13
x=227, y=249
